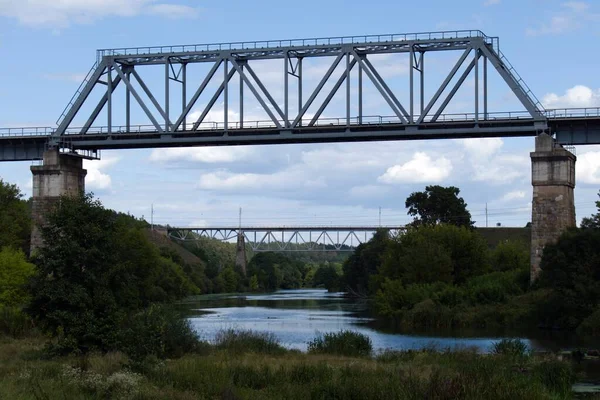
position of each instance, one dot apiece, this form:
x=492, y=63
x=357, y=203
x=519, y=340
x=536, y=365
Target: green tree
x=15, y=222
x=594, y=220
x=364, y=263
x=95, y=269
x=328, y=277
x=230, y=280
x=571, y=268
x=254, y=283
x=15, y=272
x=438, y=205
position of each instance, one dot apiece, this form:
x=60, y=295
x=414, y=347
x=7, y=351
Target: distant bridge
x=288, y=239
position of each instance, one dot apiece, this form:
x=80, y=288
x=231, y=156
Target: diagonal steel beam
x=80, y=100
x=379, y=87
x=444, y=85
x=457, y=85
x=152, y=98
x=317, y=90
x=386, y=88
x=213, y=100
x=137, y=97
x=99, y=107
x=197, y=95
x=266, y=92
x=242, y=74
x=517, y=89
x=333, y=92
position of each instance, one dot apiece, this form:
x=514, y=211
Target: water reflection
x=297, y=316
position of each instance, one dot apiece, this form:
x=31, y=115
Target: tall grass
x=243, y=341
x=343, y=343
x=14, y=322
x=511, y=347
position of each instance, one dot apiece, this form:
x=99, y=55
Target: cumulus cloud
x=502, y=169
x=577, y=96
x=227, y=181
x=572, y=16
x=61, y=14
x=483, y=147
x=96, y=179
x=209, y=155
x=588, y=167
x=515, y=195
x=422, y=168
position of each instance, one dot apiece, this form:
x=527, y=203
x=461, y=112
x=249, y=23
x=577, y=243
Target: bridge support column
x=553, y=207
x=240, y=254
x=60, y=175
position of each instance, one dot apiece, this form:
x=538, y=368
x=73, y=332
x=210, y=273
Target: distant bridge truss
x=176, y=119
x=287, y=239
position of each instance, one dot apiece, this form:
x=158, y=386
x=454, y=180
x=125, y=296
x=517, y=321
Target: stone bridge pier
x=59, y=175
x=553, y=207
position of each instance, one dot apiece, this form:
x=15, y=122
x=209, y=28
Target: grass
x=225, y=372
x=343, y=343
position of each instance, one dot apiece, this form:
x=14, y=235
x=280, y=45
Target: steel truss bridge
x=171, y=125
x=289, y=239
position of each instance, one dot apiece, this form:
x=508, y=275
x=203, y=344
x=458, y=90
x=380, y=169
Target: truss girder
x=287, y=239
x=126, y=67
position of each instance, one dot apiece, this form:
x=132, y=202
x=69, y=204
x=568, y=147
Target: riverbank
x=268, y=371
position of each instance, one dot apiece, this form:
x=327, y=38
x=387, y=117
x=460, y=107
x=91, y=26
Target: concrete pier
x=240, y=253
x=60, y=175
x=553, y=207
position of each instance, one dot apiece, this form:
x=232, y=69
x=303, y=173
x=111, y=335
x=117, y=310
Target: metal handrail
x=77, y=93
x=573, y=112
x=273, y=44
x=522, y=85
x=26, y=131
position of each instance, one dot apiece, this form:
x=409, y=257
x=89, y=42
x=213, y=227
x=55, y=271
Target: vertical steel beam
x=183, y=91
x=477, y=86
x=300, y=104
x=348, y=68
x=241, y=97
x=128, y=105
x=109, y=96
x=226, y=94
x=360, y=94
x=167, y=86
x=149, y=94
x=286, y=86
x=412, y=84
x=485, y=88
x=212, y=101
x=422, y=66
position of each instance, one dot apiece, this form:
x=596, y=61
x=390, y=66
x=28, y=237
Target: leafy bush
x=510, y=255
x=161, y=332
x=344, y=343
x=591, y=325
x=14, y=322
x=242, y=341
x=511, y=347
x=15, y=272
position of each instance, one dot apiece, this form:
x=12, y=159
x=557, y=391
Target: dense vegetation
x=441, y=273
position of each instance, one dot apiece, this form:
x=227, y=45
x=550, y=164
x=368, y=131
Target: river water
x=297, y=316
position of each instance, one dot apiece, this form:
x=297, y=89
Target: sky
x=48, y=46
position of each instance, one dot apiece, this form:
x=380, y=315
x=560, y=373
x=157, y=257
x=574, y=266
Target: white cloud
x=577, y=96
x=61, y=14
x=420, y=169
x=483, y=147
x=208, y=155
x=491, y=2
x=96, y=179
x=515, y=195
x=227, y=181
x=173, y=11
x=572, y=16
x=502, y=169
x=588, y=167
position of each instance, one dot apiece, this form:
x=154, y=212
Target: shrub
x=510, y=255
x=14, y=322
x=591, y=325
x=161, y=332
x=344, y=343
x=511, y=347
x=242, y=341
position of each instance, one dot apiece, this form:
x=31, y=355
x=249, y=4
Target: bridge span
x=286, y=238
x=113, y=93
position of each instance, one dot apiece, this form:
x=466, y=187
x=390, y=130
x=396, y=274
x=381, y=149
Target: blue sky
x=47, y=46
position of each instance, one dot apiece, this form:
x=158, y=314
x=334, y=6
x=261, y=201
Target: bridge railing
x=27, y=131
x=275, y=44
x=522, y=85
x=585, y=112
x=77, y=93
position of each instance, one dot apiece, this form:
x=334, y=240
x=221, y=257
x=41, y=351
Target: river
x=297, y=316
